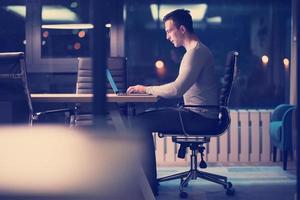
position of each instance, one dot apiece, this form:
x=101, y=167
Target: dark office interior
x=57, y=35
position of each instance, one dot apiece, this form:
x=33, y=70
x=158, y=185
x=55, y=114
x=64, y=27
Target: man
x=196, y=82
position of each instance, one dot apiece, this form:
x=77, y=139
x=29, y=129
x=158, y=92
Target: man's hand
x=136, y=89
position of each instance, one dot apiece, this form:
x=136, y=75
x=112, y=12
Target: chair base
x=194, y=173
x=187, y=176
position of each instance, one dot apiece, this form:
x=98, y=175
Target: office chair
x=196, y=141
x=117, y=67
x=15, y=100
x=281, y=131
x=84, y=85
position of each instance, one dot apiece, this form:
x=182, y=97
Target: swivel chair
x=196, y=141
x=281, y=131
x=15, y=100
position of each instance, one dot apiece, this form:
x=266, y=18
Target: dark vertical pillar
x=117, y=31
x=296, y=26
x=100, y=13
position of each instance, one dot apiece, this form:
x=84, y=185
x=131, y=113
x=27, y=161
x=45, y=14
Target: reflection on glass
x=197, y=10
x=254, y=28
x=12, y=23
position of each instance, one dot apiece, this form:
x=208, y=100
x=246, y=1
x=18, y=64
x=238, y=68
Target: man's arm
x=136, y=89
x=190, y=68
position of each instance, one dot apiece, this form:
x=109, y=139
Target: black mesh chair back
x=15, y=101
x=84, y=83
x=227, y=81
x=230, y=72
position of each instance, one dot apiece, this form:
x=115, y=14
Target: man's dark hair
x=180, y=17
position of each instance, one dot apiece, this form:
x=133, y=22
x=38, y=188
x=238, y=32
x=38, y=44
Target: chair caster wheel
x=228, y=186
x=183, y=195
x=203, y=165
x=230, y=191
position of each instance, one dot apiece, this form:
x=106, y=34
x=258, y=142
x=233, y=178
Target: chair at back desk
x=84, y=85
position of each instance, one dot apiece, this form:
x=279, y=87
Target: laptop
x=115, y=88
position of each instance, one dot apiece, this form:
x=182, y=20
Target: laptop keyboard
x=131, y=94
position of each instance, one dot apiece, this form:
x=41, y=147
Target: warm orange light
x=286, y=63
x=265, y=59
x=77, y=45
x=160, y=68
x=81, y=34
x=45, y=34
x=159, y=64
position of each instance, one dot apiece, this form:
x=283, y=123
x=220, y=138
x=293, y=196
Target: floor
x=262, y=182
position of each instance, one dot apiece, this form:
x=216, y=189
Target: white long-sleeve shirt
x=196, y=81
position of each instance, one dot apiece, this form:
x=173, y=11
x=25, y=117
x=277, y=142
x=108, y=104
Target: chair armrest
x=36, y=116
x=201, y=106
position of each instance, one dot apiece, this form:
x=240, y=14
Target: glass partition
x=259, y=30
x=12, y=23
x=65, y=28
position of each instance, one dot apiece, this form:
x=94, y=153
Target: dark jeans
x=166, y=120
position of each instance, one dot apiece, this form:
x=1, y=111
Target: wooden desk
x=78, y=98
x=113, y=98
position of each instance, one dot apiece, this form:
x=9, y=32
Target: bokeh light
x=81, y=34
x=45, y=34
x=286, y=63
x=265, y=59
x=159, y=64
x=77, y=45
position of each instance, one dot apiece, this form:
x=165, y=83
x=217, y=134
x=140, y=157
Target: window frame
x=35, y=62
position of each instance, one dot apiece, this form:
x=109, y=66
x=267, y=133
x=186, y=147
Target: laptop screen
x=115, y=88
x=112, y=82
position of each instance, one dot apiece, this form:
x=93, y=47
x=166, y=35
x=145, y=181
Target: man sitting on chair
x=196, y=82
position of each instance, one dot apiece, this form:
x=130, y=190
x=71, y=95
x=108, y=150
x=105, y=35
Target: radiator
x=247, y=140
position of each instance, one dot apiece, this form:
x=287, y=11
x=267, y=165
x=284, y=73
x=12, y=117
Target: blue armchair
x=281, y=131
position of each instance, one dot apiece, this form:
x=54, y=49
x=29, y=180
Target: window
x=258, y=30
x=65, y=29
x=59, y=32
x=12, y=33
